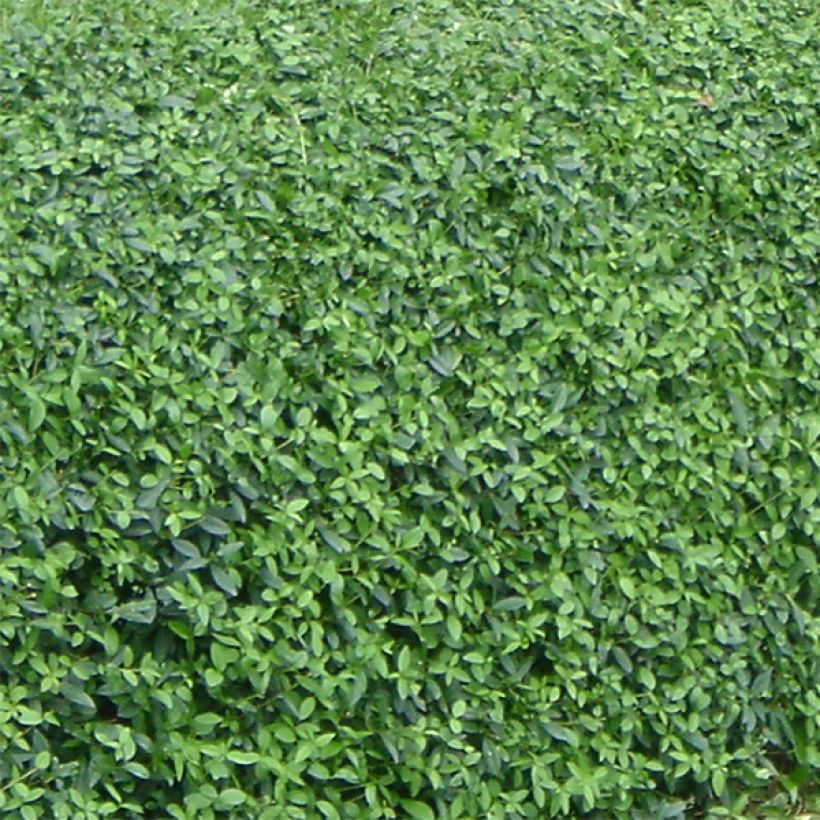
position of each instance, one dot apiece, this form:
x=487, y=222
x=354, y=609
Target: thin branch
x=301, y=136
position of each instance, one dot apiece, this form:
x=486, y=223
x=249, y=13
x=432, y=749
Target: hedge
x=408, y=409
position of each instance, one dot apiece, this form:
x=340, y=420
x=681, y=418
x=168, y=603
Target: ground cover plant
x=408, y=409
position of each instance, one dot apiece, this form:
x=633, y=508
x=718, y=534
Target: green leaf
x=622, y=659
x=268, y=418
x=138, y=417
x=173, y=101
x=328, y=810
x=511, y=604
x=627, y=586
x=205, y=722
x=646, y=677
x=137, y=769
x=243, y=758
x=454, y=627
x=21, y=498
x=214, y=526
x=29, y=717
x=266, y=202
x=285, y=734
x=77, y=696
x=230, y=798
x=42, y=760
x=563, y=733
x=334, y=540
x=36, y=413
x=554, y=495
x=225, y=581
x=296, y=506
x=418, y=810
x=142, y=611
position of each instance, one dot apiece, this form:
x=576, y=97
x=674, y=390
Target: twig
x=17, y=780
x=301, y=136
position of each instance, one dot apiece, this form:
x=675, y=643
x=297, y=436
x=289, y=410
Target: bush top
x=408, y=409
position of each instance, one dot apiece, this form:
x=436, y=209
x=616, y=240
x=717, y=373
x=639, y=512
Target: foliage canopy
x=408, y=409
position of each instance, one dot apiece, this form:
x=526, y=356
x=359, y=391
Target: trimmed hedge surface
x=408, y=409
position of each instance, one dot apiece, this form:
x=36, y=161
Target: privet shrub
x=409, y=409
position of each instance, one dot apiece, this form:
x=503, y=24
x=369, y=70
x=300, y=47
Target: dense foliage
x=408, y=409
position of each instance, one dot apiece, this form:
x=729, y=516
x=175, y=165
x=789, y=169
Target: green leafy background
x=408, y=409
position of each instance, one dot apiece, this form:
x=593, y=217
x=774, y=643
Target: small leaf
x=224, y=581
x=29, y=717
x=627, y=586
x=739, y=412
x=762, y=682
x=214, y=526
x=418, y=810
x=455, y=555
x=329, y=812
x=296, y=506
x=568, y=163
x=554, y=495
x=77, y=696
x=285, y=734
x=266, y=202
x=696, y=740
x=174, y=101
x=21, y=498
x=205, y=722
x=562, y=733
x=334, y=540
x=454, y=627
x=511, y=604
x=243, y=758
x=143, y=611
x=137, y=769
x=36, y=413
x=112, y=641
x=138, y=417
x=147, y=499
x=268, y=418
x=646, y=677
x=443, y=364
x=186, y=548
x=622, y=659
x=232, y=797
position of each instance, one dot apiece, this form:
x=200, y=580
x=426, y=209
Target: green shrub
x=408, y=409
